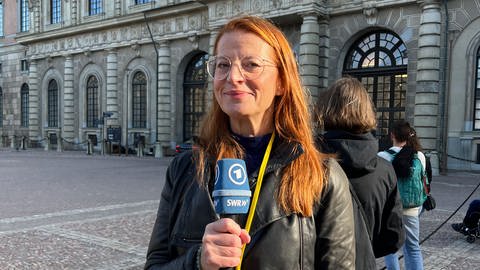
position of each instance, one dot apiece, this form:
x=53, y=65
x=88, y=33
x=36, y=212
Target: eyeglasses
x=251, y=67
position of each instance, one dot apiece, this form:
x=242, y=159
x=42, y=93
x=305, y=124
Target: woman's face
x=246, y=100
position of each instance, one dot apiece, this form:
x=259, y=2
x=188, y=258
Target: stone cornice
x=340, y=7
x=136, y=18
x=117, y=36
x=219, y=12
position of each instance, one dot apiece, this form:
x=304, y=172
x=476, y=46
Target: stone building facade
x=143, y=63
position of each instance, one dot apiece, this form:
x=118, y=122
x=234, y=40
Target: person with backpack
x=409, y=164
x=346, y=116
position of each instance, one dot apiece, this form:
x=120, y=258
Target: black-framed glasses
x=251, y=67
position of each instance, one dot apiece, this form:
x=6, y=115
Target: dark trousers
x=473, y=214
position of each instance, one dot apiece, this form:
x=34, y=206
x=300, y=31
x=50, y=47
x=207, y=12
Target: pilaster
x=118, y=7
x=112, y=84
x=309, y=53
x=68, y=129
x=74, y=14
x=33, y=103
x=209, y=96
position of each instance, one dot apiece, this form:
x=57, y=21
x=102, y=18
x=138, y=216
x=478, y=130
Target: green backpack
x=411, y=188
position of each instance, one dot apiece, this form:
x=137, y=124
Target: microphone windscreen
x=231, y=193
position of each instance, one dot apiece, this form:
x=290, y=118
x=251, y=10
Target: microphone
x=231, y=192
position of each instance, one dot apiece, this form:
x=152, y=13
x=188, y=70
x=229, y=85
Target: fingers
x=222, y=244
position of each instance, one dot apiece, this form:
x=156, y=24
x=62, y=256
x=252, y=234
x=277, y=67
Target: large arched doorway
x=379, y=60
x=194, y=91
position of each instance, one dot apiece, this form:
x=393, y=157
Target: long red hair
x=304, y=179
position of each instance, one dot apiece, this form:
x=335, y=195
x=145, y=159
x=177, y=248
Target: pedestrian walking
x=409, y=164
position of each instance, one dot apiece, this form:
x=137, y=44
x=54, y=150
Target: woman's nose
x=235, y=73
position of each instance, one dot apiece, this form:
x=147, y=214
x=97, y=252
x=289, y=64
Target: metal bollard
x=47, y=142
x=24, y=143
x=89, y=147
x=140, y=150
x=158, y=150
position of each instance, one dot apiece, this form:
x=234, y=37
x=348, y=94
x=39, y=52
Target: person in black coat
x=346, y=117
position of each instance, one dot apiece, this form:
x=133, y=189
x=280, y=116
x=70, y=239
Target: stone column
x=112, y=84
x=68, y=129
x=309, y=53
x=165, y=111
x=426, y=118
x=33, y=103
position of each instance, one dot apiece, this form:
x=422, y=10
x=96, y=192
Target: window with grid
x=24, y=65
x=476, y=124
x=1, y=107
x=139, y=100
x=92, y=102
x=24, y=104
x=139, y=2
x=379, y=60
x=1, y=19
x=94, y=7
x=55, y=11
x=24, y=16
x=52, y=104
x=194, y=90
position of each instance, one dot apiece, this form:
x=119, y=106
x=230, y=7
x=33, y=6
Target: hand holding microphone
x=231, y=196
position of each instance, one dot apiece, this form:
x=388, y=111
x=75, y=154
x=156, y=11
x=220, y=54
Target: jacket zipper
x=301, y=242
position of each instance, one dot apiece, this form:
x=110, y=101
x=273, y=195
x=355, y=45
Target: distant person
x=409, y=164
x=347, y=118
x=470, y=223
x=304, y=215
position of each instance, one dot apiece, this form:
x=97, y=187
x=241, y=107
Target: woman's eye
x=223, y=65
x=251, y=65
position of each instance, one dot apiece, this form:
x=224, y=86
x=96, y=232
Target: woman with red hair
x=303, y=218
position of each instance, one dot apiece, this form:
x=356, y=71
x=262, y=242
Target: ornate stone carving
x=194, y=40
x=136, y=48
x=221, y=10
x=276, y=3
x=370, y=13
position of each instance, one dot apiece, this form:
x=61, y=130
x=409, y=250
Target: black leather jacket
x=279, y=241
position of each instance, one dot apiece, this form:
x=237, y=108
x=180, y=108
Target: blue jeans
x=411, y=248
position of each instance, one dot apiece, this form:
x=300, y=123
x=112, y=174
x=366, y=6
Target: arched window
x=476, y=124
x=139, y=100
x=1, y=107
x=194, y=90
x=52, y=104
x=379, y=60
x=24, y=105
x=92, y=102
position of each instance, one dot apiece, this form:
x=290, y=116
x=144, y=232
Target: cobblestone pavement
x=91, y=213
x=106, y=223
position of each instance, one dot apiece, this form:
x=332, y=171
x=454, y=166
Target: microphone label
x=231, y=194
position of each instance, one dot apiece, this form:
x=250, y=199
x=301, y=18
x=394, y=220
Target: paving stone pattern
x=106, y=222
